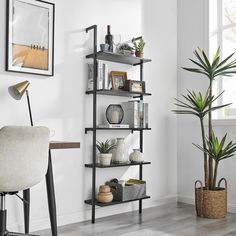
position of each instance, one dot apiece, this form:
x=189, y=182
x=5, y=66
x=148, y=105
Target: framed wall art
x=118, y=79
x=30, y=37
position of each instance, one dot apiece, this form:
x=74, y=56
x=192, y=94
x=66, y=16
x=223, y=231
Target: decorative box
x=135, y=86
x=132, y=190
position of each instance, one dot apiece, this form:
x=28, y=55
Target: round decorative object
x=136, y=156
x=114, y=114
x=120, y=152
x=104, y=197
x=104, y=189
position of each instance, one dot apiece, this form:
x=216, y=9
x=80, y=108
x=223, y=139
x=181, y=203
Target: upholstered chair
x=23, y=163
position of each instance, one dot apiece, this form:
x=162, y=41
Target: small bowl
x=104, y=47
x=104, y=197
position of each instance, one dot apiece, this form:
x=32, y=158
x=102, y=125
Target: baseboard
x=191, y=200
x=36, y=225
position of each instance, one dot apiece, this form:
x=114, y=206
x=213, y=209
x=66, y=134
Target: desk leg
x=26, y=205
x=51, y=197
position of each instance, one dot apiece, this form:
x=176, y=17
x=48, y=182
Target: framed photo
x=135, y=86
x=30, y=37
x=118, y=79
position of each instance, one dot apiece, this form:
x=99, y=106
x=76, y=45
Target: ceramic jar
x=136, y=156
x=120, y=152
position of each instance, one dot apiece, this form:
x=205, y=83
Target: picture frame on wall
x=30, y=37
x=118, y=79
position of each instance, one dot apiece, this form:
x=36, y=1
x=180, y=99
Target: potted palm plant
x=105, y=149
x=210, y=198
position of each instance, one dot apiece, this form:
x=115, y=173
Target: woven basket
x=211, y=203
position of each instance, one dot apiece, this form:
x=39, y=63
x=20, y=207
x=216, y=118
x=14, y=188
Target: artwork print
x=30, y=37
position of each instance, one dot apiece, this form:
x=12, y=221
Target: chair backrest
x=23, y=157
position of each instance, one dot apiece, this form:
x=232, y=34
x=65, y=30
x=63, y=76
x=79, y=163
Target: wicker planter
x=211, y=203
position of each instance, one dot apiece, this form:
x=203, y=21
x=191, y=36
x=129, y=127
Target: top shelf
x=119, y=58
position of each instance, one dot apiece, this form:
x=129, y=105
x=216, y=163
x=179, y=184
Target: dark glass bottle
x=109, y=39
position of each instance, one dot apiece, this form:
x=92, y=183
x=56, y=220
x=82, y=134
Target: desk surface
x=63, y=145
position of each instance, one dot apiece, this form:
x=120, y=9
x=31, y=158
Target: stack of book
x=135, y=114
x=103, y=81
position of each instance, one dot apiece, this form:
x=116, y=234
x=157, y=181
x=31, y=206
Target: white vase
x=120, y=152
x=136, y=156
x=105, y=159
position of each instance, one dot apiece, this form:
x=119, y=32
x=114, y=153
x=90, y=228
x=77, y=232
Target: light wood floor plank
x=166, y=220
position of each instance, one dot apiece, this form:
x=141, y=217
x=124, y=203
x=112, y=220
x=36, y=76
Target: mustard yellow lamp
x=17, y=91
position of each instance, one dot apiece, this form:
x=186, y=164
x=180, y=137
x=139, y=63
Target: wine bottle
x=109, y=39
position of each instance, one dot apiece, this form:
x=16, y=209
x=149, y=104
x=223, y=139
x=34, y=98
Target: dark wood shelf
x=130, y=129
x=120, y=93
x=119, y=58
x=90, y=165
x=114, y=202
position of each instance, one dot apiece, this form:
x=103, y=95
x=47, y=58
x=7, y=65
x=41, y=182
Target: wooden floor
x=167, y=220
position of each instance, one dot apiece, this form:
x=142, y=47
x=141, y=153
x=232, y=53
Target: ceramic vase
x=136, y=156
x=120, y=152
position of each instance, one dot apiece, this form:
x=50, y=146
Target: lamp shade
x=17, y=90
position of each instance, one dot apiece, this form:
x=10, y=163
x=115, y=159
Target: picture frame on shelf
x=30, y=37
x=118, y=79
x=135, y=86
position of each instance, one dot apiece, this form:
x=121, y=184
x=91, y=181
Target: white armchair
x=23, y=162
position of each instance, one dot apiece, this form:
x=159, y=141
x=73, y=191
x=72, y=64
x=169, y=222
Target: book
x=113, y=126
x=135, y=114
x=106, y=79
x=145, y=121
x=131, y=114
x=103, y=81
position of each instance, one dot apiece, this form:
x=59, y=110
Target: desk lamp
x=17, y=91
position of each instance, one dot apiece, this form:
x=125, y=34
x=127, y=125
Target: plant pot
x=105, y=159
x=211, y=204
x=139, y=54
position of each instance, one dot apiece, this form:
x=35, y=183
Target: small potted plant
x=138, y=46
x=105, y=149
x=125, y=49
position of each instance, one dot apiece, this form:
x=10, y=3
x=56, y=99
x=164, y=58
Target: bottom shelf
x=114, y=202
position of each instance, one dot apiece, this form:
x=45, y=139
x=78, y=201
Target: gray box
x=128, y=192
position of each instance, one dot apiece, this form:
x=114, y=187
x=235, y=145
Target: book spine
x=136, y=120
x=105, y=76
x=100, y=75
x=141, y=113
x=90, y=77
x=146, y=115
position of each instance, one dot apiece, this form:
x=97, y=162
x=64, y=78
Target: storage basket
x=211, y=203
x=128, y=192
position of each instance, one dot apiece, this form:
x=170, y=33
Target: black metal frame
x=7, y=39
x=115, y=58
x=3, y=219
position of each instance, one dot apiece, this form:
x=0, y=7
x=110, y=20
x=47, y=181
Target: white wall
x=193, y=33
x=160, y=30
x=60, y=103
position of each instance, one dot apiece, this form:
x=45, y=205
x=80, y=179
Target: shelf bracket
x=92, y=27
